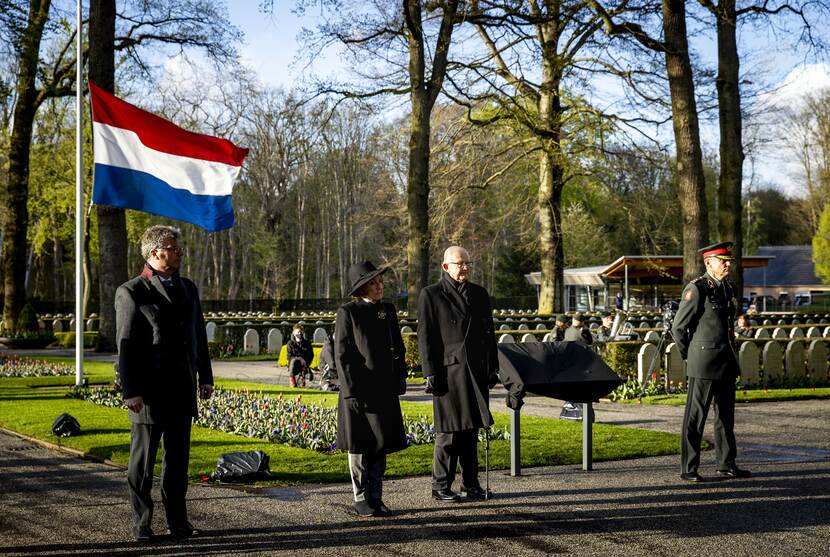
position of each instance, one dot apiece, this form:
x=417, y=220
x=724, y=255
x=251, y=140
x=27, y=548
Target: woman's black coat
x=300, y=349
x=369, y=353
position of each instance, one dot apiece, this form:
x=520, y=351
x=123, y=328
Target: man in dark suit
x=578, y=332
x=163, y=360
x=703, y=331
x=457, y=343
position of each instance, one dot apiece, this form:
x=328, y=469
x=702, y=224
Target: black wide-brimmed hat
x=363, y=272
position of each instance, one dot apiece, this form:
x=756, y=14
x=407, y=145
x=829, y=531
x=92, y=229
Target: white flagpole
x=79, y=203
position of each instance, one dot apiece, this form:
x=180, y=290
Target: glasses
x=175, y=249
x=461, y=264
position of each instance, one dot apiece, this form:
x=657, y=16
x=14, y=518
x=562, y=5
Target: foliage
x=16, y=366
x=27, y=320
x=633, y=389
x=288, y=421
x=283, y=359
x=821, y=246
x=622, y=357
x=67, y=340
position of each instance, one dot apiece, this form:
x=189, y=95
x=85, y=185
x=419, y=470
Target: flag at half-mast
x=149, y=164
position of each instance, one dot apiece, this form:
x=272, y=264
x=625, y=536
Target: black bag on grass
x=66, y=425
x=241, y=467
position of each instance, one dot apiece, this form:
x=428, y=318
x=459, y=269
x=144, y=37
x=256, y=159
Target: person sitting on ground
x=744, y=329
x=300, y=354
x=578, y=332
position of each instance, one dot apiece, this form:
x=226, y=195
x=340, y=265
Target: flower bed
x=15, y=366
x=277, y=419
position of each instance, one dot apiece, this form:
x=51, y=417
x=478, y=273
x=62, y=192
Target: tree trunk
x=731, y=147
x=112, y=222
x=423, y=94
x=551, y=178
x=16, y=223
x=690, y=177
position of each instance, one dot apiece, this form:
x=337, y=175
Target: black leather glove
x=436, y=386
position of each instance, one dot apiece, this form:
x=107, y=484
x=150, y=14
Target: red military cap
x=722, y=250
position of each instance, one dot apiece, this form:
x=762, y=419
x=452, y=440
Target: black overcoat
x=369, y=355
x=703, y=329
x=162, y=345
x=457, y=344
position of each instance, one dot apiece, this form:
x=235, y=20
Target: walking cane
x=486, y=463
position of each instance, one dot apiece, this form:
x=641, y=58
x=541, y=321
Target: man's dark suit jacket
x=457, y=344
x=162, y=345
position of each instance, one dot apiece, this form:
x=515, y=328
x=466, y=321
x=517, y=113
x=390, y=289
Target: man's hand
x=205, y=391
x=136, y=403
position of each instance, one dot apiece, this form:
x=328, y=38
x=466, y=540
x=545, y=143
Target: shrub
x=622, y=357
x=27, y=320
x=67, y=340
x=282, y=361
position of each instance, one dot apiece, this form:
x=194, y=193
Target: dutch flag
x=149, y=164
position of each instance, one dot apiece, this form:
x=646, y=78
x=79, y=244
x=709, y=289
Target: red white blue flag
x=149, y=164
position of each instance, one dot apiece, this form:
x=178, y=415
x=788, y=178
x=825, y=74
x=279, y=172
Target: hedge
x=67, y=340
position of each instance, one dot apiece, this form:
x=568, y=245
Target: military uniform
x=704, y=333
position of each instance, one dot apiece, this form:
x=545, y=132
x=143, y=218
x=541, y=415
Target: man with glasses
x=703, y=331
x=163, y=360
x=457, y=344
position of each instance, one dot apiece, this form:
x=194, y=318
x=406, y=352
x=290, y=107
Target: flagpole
x=79, y=203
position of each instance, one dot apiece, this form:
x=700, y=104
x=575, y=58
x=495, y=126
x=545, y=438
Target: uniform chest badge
x=381, y=314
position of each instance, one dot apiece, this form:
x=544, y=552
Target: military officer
x=703, y=331
x=604, y=330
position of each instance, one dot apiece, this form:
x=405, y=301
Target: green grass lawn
x=28, y=408
x=745, y=395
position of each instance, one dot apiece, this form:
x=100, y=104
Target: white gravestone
x=794, y=359
x=644, y=358
x=675, y=373
x=750, y=366
x=549, y=337
x=796, y=333
x=814, y=332
x=652, y=336
x=319, y=335
x=406, y=329
x=817, y=360
x=528, y=337
x=57, y=326
x=773, y=358
x=250, y=342
x=779, y=333
x=210, y=331
x=762, y=333
x=506, y=338
x=274, y=341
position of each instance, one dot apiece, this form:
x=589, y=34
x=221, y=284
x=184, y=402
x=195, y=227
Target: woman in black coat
x=369, y=353
x=300, y=356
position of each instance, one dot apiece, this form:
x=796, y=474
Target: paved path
x=55, y=504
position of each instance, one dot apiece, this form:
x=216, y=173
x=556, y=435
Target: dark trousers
x=144, y=444
x=702, y=392
x=452, y=449
x=367, y=472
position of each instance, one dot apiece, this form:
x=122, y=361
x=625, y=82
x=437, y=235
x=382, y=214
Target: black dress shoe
x=691, y=477
x=144, y=534
x=381, y=509
x=475, y=493
x=734, y=472
x=363, y=508
x=445, y=495
x=184, y=531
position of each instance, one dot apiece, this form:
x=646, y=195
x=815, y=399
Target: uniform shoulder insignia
x=688, y=294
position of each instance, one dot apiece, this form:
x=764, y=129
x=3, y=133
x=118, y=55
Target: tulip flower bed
x=287, y=421
x=15, y=366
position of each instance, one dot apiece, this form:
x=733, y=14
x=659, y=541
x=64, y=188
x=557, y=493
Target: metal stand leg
x=587, y=436
x=515, y=434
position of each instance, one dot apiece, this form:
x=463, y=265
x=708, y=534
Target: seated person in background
x=560, y=327
x=743, y=329
x=300, y=355
x=578, y=332
x=604, y=330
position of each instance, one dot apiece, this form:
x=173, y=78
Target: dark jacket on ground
x=300, y=349
x=162, y=345
x=369, y=355
x=457, y=344
x=703, y=329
